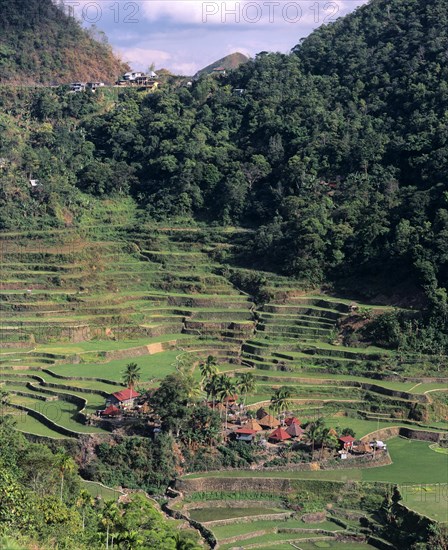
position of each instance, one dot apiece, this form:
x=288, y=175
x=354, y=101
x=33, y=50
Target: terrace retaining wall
x=410, y=433
x=230, y=504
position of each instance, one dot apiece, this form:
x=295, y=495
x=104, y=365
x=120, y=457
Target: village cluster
x=241, y=424
x=132, y=78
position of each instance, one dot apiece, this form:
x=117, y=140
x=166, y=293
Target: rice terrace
x=79, y=306
x=224, y=275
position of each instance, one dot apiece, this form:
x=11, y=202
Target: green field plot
x=28, y=424
x=279, y=541
x=62, y=413
x=428, y=499
x=152, y=367
x=328, y=545
x=236, y=529
x=107, y=345
x=212, y=514
x=97, y=490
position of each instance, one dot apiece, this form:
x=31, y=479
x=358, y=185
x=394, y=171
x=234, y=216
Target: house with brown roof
x=268, y=422
x=253, y=425
x=294, y=430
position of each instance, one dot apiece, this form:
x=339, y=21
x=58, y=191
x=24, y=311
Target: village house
x=94, y=85
x=278, y=435
x=78, y=86
x=292, y=420
x=124, y=399
x=268, y=422
x=347, y=442
x=245, y=434
x=294, y=430
x=110, y=412
x=253, y=425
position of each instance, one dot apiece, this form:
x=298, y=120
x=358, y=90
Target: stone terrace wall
x=387, y=433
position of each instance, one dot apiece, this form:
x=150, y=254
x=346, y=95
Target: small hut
x=253, y=425
x=111, y=412
x=292, y=420
x=279, y=435
x=294, y=430
x=260, y=413
x=268, y=422
x=347, y=442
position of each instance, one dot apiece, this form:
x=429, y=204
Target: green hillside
x=41, y=44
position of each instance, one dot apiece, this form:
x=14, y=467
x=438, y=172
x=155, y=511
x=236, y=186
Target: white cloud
x=140, y=58
x=276, y=13
x=185, y=69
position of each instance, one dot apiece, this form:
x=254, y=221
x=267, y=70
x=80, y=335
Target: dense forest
x=41, y=42
x=336, y=155
x=43, y=504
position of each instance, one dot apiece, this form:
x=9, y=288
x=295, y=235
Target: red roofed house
x=279, y=435
x=111, y=411
x=347, y=441
x=123, y=399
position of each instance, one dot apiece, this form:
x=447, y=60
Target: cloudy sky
x=186, y=35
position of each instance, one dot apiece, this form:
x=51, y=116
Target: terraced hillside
x=76, y=306
x=266, y=516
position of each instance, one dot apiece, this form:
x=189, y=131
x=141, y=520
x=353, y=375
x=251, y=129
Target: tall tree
x=281, y=401
x=65, y=465
x=226, y=389
x=131, y=375
x=245, y=384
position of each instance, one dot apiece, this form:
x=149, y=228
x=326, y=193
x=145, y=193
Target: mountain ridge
x=41, y=44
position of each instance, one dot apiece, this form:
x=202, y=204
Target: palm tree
x=109, y=517
x=246, y=384
x=131, y=375
x=226, y=389
x=65, y=464
x=212, y=388
x=208, y=368
x=85, y=499
x=281, y=400
x=314, y=432
x=327, y=439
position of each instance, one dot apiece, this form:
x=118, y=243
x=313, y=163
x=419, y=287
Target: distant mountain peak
x=227, y=63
